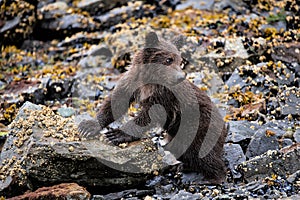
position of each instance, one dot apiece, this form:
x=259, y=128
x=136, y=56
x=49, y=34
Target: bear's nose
x=180, y=76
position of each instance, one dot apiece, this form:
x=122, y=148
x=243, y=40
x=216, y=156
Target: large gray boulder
x=43, y=149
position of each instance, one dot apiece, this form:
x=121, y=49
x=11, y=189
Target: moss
x=280, y=16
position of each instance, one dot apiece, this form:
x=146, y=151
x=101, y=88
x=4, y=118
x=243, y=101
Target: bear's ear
x=151, y=39
x=178, y=41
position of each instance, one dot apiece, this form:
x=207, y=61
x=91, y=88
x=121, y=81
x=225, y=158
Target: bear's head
x=159, y=62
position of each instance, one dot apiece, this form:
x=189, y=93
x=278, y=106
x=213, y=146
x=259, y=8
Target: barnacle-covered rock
x=289, y=101
x=17, y=21
x=43, y=148
x=274, y=162
x=227, y=54
x=57, y=20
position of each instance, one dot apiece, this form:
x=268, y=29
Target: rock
x=66, y=111
x=185, y=195
x=209, y=80
x=278, y=26
x=126, y=194
x=289, y=101
x=288, y=52
x=56, y=26
x=296, y=196
x=202, y=5
x=54, y=10
x=96, y=56
x=231, y=54
x=99, y=6
x=255, y=186
x=294, y=177
x=26, y=90
x=18, y=18
x=234, y=155
x=59, y=89
x=92, y=61
x=268, y=79
x=297, y=135
x=236, y=5
x=119, y=15
x=192, y=177
x=60, y=192
x=241, y=131
x=80, y=38
x=70, y=22
x=266, y=138
x=43, y=148
x=279, y=162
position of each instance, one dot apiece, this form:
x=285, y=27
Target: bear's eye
x=169, y=61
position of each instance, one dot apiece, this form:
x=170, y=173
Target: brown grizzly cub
x=196, y=130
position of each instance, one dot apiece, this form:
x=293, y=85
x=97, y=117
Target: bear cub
x=195, y=129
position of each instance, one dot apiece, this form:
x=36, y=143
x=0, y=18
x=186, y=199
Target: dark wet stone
x=279, y=162
x=54, y=10
x=297, y=135
x=66, y=25
x=69, y=22
x=17, y=21
x=288, y=52
x=289, y=101
x=25, y=90
x=266, y=138
x=100, y=50
x=185, y=195
x=295, y=67
x=97, y=56
x=241, y=131
x=234, y=155
x=10, y=24
x=59, y=89
x=126, y=194
x=255, y=186
x=99, y=6
x=192, y=177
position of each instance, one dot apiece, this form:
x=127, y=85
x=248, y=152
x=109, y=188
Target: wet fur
x=212, y=165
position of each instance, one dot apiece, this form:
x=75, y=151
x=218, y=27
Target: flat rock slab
x=44, y=149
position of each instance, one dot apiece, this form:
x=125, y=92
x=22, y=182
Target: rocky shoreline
x=59, y=60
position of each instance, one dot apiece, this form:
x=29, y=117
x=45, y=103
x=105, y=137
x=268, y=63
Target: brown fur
x=156, y=53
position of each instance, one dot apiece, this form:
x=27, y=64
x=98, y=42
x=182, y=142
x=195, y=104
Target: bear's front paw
x=89, y=128
x=117, y=137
